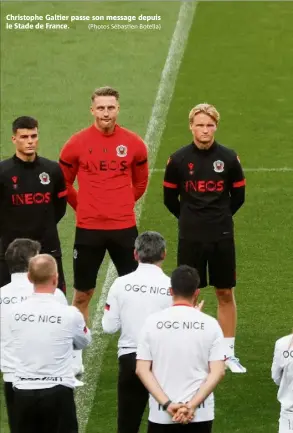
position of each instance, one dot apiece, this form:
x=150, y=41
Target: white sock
x=229, y=346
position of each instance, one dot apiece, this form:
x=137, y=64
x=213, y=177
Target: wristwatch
x=166, y=405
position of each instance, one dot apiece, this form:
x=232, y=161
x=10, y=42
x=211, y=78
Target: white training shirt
x=282, y=372
x=13, y=293
x=44, y=332
x=180, y=341
x=131, y=299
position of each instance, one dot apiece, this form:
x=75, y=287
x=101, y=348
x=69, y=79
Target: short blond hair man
x=204, y=186
x=44, y=333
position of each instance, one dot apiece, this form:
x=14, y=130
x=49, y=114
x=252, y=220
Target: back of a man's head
x=42, y=270
x=150, y=247
x=19, y=253
x=184, y=281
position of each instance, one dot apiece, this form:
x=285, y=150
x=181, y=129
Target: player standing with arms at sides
x=131, y=299
x=180, y=360
x=209, y=180
x=17, y=257
x=282, y=374
x=32, y=197
x=110, y=163
x=44, y=333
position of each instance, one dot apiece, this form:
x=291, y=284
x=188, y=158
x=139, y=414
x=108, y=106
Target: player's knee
x=225, y=296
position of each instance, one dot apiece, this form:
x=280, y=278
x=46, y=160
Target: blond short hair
x=42, y=268
x=205, y=108
x=105, y=91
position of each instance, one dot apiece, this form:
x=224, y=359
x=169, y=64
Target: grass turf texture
x=239, y=57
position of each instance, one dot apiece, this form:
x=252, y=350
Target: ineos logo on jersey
x=204, y=186
x=180, y=325
x=105, y=165
x=113, y=165
x=31, y=198
x=288, y=354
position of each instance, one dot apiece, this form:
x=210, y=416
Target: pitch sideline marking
x=94, y=355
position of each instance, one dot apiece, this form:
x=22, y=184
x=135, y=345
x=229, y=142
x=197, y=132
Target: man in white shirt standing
x=282, y=374
x=180, y=359
x=17, y=257
x=44, y=333
x=131, y=299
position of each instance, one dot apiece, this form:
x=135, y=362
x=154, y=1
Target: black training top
x=204, y=188
x=32, y=201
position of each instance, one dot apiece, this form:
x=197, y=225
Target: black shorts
x=49, y=410
x=89, y=251
x=193, y=427
x=218, y=257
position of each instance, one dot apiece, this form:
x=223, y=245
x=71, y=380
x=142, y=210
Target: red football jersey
x=112, y=173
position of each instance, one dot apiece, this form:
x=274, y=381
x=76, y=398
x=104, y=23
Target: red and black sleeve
x=171, y=188
x=60, y=194
x=237, y=186
x=140, y=170
x=69, y=164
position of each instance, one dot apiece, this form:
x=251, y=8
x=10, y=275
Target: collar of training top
x=205, y=151
x=28, y=164
x=115, y=130
x=149, y=266
x=183, y=304
x=18, y=276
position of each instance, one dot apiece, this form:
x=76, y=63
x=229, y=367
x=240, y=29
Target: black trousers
x=194, y=427
x=132, y=396
x=5, y=277
x=9, y=400
x=49, y=410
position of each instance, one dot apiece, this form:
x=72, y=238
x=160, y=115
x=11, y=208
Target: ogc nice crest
x=121, y=150
x=218, y=166
x=44, y=178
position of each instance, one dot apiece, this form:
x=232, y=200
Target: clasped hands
x=182, y=413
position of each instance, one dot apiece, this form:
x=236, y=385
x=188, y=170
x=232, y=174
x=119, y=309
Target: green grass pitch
x=239, y=57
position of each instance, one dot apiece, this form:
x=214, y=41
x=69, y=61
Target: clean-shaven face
x=203, y=128
x=26, y=141
x=105, y=110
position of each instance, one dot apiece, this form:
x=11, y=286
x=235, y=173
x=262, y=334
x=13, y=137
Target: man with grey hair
x=131, y=299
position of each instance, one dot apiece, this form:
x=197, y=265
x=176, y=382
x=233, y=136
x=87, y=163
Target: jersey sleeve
x=277, y=368
x=217, y=350
x=111, y=319
x=60, y=194
x=81, y=333
x=237, y=185
x=69, y=164
x=171, y=188
x=143, y=348
x=140, y=169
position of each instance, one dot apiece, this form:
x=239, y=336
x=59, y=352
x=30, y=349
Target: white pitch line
x=94, y=355
x=257, y=169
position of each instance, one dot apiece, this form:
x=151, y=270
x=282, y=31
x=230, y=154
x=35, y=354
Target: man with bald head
x=44, y=333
